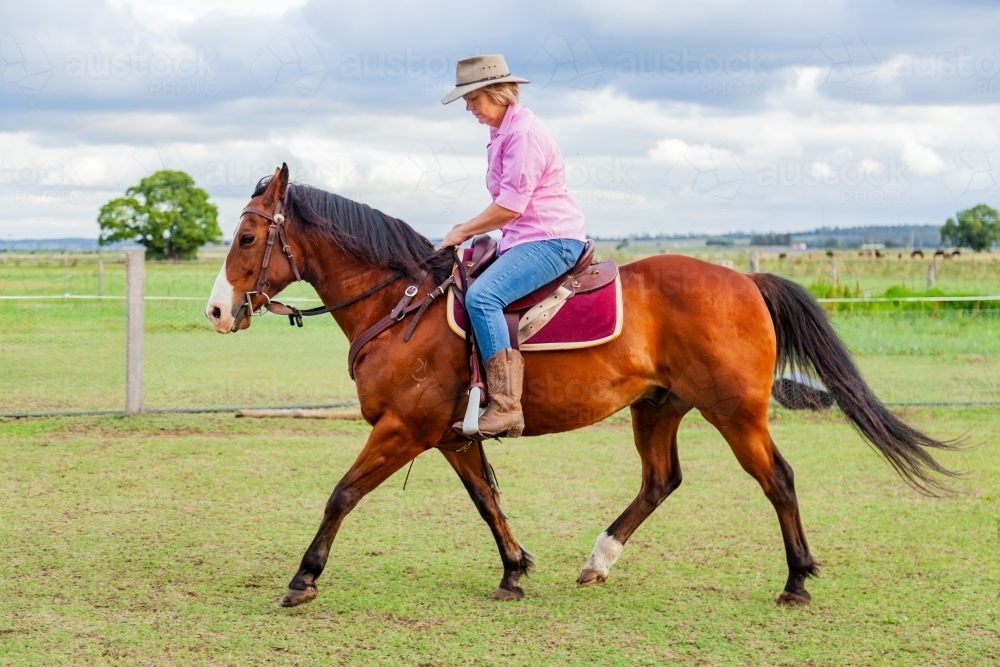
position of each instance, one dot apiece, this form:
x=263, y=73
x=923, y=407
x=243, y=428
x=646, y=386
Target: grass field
x=167, y=540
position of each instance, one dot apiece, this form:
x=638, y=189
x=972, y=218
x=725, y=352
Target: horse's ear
x=277, y=187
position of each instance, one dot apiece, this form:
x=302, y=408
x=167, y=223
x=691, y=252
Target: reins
x=276, y=231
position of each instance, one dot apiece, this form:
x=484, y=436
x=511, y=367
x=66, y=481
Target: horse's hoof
x=590, y=578
x=789, y=598
x=505, y=594
x=294, y=597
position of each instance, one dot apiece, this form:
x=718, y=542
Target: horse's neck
x=337, y=277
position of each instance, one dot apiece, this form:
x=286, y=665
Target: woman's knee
x=479, y=299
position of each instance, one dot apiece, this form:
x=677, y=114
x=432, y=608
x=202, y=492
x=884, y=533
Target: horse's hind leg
x=516, y=561
x=747, y=434
x=654, y=426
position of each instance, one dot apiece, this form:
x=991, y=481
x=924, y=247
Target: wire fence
x=69, y=355
x=64, y=352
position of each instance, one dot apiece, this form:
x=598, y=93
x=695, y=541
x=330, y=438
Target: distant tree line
x=771, y=239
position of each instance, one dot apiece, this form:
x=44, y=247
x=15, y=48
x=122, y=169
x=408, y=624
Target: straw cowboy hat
x=478, y=72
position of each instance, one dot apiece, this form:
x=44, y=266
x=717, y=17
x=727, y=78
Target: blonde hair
x=505, y=93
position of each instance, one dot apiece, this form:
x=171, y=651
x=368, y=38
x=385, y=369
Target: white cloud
x=923, y=160
x=155, y=12
x=668, y=151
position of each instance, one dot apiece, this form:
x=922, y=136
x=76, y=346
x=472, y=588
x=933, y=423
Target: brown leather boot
x=504, y=380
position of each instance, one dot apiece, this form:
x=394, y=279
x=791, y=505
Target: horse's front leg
x=390, y=446
x=516, y=561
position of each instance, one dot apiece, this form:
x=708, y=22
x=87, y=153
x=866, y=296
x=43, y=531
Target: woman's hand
x=457, y=236
x=493, y=217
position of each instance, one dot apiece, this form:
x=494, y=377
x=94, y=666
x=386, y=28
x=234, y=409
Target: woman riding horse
x=542, y=227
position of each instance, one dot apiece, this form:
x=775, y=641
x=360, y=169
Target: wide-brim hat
x=478, y=72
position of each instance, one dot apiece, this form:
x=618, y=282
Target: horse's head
x=252, y=273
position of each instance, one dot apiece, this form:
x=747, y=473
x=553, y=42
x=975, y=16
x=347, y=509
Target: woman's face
x=484, y=108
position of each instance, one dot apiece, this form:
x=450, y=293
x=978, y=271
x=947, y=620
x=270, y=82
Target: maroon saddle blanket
x=581, y=309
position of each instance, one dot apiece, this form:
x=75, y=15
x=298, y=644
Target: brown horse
x=696, y=336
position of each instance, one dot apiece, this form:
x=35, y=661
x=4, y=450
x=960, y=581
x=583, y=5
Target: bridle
x=276, y=231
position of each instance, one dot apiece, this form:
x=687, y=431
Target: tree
x=977, y=228
x=166, y=213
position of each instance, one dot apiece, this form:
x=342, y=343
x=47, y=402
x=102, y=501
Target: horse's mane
x=366, y=233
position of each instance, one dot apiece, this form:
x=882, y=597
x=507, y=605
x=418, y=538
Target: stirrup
x=470, y=424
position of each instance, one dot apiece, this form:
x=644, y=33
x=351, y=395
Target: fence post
x=100, y=277
x=135, y=273
x=834, y=278
x=932, y=273
x=755, y=262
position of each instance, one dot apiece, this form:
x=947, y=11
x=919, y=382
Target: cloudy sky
x=673, y=117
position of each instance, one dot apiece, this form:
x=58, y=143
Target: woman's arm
x=493, y=217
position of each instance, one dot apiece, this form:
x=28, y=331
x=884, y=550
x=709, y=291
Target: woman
x=542, y=227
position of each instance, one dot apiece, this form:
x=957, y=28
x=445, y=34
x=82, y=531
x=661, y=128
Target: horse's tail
x=806, y=339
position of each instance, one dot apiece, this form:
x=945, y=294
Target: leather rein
x=276, y=232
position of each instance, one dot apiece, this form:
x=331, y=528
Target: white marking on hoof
x=606, y=552
x=222, y=299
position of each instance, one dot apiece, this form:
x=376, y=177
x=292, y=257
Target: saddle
x=530, y=314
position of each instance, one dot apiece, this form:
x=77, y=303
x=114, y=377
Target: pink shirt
x=526, y=174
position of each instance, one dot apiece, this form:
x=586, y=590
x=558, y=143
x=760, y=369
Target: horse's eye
x=247, y=239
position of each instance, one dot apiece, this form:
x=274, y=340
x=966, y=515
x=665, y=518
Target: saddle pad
x=584, y=320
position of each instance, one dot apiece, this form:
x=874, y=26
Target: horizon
x=638, y=236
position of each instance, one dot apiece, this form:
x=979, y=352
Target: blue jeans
x=517, y=272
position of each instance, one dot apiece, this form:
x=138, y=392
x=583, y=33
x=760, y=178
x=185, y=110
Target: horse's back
x=697, y=317
x=692, y=286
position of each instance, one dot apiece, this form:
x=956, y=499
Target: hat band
x=489, y=78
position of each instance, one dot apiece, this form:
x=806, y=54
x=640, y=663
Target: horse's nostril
x=216, y=313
